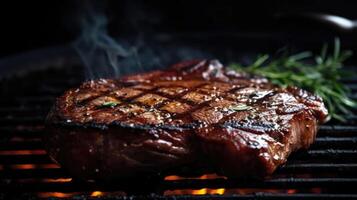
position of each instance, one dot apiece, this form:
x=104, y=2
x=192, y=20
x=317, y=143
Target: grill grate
x=328, y=170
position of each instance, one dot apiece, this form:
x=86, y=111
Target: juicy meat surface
x=195, y=111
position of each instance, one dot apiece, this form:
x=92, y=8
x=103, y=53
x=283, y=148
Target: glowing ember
x=291, y=191
x=219, y=191
x=55, y=194
x=199, y=192
x=57, y=180
x=23, y=166
x=34, y=166
x=212, y=176
x=96, y=194
x=172, y=178
x=203, y=191
x=206, y=176
x=23, y=152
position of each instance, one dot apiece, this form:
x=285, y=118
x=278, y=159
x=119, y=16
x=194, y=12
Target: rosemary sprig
x=322, y=76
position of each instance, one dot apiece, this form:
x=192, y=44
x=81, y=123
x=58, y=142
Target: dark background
x=27, y=25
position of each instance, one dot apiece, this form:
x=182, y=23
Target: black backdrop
x=29, y=25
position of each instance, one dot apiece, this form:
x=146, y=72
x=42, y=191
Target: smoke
x=107, y=57
x=99, y=52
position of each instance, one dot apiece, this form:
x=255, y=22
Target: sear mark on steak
x=195, y=111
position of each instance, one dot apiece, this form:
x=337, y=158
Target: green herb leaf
x=240, y=107
x=322, y=77
x=109, y=104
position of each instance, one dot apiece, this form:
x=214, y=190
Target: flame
x=228, y=191
x=57, y=180
x=200, y=192
x=55, y=194
x=220, y=191
x=205, y=191
x=203, y=177
x=96, y=194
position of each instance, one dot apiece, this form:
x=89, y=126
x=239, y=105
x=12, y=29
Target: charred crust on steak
x=153, y=122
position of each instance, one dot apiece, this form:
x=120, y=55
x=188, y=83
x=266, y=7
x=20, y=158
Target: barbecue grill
x=30, y=83
x=328, y=170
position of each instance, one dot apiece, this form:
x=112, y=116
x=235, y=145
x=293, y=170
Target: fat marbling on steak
x=154, y=122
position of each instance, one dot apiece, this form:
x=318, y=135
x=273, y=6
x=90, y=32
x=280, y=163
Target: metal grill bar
x=24, y=159
x=316, y=168
x=282, y=183
x=53, y=173
x=256, y=196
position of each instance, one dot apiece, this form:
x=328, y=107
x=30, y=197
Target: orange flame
x=58, y=180
x=55, y=194
x=205, y=191
x=202, y=191
x=96, y=194
x=205, y=176
x=172, y=178
x=220, y=191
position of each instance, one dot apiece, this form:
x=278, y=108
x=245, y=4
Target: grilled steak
x=154, y=122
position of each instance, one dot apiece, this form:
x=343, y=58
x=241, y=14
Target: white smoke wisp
x=106, y=57
x=99, y=52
